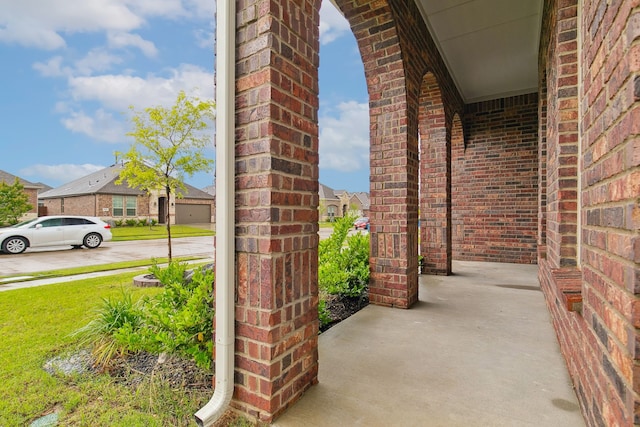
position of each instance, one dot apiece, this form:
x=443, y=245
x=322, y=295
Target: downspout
x=225, y=215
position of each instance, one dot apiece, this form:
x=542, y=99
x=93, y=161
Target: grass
x=90, y=269
x=121, y=234
x=36, y=324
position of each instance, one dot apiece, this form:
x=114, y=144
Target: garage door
x=192, y=214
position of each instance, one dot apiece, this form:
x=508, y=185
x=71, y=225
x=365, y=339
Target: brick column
x=562, y=141
x=276, y=204
x=435, y=181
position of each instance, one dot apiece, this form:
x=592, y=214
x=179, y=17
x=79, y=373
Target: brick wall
x=495, y=182
x=598, y=337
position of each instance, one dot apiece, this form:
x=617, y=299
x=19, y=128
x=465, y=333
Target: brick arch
x=393, y=155
x=276, y=149
x=396, y=50
x=458, y=149
x=435, y=179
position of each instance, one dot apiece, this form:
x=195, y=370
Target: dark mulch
x=135, y=368
x=177, y=372
x=341, y=307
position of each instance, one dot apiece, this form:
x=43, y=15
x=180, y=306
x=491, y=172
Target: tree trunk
x=168, y=221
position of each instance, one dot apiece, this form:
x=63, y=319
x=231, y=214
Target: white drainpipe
x=225, y=215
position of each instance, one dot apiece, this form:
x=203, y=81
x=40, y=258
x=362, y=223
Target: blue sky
x=71, y=69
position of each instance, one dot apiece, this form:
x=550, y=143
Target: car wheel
x=92, y=240
x=15, y=245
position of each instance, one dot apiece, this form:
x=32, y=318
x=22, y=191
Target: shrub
x=177, y=321
x=343, y=261
x=173, y=273
x=131, y=222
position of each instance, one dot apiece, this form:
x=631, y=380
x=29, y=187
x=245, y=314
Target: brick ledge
x=569, y=282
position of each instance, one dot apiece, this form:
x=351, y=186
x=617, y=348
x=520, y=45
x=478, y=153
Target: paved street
x=54, y=258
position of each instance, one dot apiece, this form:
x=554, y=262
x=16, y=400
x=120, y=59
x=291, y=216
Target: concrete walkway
x=477, y=350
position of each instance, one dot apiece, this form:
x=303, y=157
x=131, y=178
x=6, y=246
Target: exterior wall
x=495, y=182
x=590, y=271
x=32, y=194
x=77, y=205
x=101, y=205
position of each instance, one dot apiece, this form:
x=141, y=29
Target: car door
x=48, y=232
x=75, y=229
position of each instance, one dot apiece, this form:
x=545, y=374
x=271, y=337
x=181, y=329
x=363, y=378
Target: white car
x=56, y=230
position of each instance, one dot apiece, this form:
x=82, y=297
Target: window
x=52, y=222
x=131, y=205
x=125, y=204
x=76, y=221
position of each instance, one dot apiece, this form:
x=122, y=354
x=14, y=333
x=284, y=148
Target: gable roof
x=104, y=182
x=325, y=193
x=9, y=179
x=364, y=199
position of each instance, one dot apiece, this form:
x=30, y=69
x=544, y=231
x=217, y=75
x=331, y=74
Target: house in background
x=30, y=188
x=98, y=195
x=338, y=203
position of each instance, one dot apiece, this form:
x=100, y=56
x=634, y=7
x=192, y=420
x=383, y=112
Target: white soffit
x=489, y=46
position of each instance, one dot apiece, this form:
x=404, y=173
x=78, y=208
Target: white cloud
x=96, y=60
x=52, y=68
x=60, y=173
x=116, y=93
x=333, y=24
x=121, y=40
x=121, y=91
x=344, y=140
x=102, y=126
x=40, y=24
x=158, y=7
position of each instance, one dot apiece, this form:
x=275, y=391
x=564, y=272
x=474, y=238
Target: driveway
x=54, y=258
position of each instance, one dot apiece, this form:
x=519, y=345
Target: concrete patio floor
x=478, y=349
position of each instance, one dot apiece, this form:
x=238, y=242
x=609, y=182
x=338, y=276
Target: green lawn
x=121, y=234
x=36, y=324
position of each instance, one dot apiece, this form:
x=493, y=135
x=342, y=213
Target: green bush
x=343, y=261
x=177, y=321
x=173, y=273
x=131, y=222
x=323, y=313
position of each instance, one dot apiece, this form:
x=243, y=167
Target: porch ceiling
x=490, y=46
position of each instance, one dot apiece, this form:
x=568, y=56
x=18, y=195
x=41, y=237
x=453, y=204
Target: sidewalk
x=50, y=281
x=478, y=349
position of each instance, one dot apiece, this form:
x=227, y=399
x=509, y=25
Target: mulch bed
x=183, y=373
x=340, y=308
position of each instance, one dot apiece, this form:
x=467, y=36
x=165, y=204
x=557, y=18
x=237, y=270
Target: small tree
x=14, y=202
x=169, y=144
